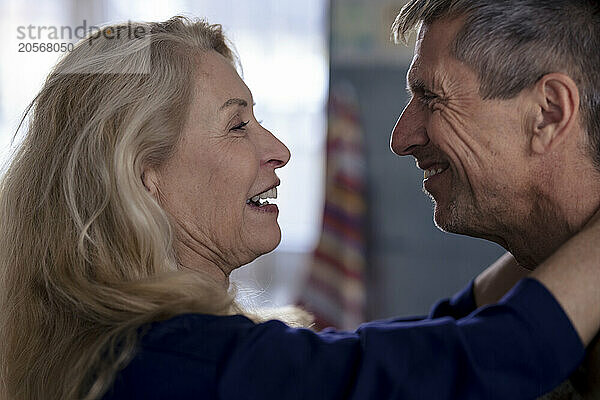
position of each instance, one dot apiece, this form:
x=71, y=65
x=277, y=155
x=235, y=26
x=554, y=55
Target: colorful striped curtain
x=334, y=291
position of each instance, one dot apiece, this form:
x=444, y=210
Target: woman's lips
x=267, y=208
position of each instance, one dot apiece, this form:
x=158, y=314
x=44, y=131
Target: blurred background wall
x=292, y=53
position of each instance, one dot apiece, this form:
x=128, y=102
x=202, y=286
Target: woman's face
x=224, y=159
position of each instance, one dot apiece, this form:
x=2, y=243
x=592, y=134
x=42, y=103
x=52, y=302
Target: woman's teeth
x=260, y=199
x=432, y=172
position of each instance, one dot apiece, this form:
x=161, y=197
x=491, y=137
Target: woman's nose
x=277, y=154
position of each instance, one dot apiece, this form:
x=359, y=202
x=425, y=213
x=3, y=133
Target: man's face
x=474, y=151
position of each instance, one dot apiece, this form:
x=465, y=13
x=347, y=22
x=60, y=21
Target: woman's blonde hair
x=86, y=254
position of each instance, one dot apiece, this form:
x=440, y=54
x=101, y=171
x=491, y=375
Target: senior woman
x=142, y=183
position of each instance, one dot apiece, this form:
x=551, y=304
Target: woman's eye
x=241, y=126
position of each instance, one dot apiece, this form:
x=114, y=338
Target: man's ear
x=557, y=111
x=150, y=181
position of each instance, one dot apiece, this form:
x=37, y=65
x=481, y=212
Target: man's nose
x=409, y=132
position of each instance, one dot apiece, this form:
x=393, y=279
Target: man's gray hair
x=511, y=44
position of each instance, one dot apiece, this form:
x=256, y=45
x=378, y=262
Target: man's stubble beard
x=531, y=234
x=454, y=217
x=462, y=217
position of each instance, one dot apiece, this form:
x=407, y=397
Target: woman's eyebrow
x=235, y=101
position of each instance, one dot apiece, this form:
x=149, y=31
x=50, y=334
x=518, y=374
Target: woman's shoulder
x=195, y=335
x=192, y=324
x=179, y=357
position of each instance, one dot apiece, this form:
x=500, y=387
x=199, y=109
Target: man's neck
x=560, y=209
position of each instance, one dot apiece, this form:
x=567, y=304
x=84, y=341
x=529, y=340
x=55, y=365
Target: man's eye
x=240, y=127
x=427, y=99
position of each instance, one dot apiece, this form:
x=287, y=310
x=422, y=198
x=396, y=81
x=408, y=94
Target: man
x=504, y=119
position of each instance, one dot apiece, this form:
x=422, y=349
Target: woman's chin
x=266, y=242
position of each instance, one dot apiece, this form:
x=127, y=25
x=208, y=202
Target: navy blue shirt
x=519, y=348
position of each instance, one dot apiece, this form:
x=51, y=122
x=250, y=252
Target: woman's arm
x=572, y=275
x=493, y=283
x=521, y=347
x=517, y=349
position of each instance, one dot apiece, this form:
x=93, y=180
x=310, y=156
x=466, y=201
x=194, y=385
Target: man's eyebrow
x=416, y=85
x=235, y=101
